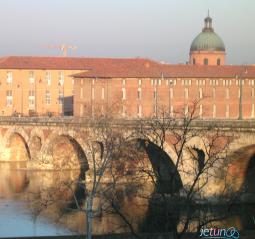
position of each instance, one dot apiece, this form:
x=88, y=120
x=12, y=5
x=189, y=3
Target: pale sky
x=157, y=29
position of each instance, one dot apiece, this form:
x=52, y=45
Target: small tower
x=207, y=48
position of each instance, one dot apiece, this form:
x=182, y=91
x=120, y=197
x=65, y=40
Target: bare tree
x=195, y=175
x=185, y=164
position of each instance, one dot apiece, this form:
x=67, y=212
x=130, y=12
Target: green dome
x=207, y=41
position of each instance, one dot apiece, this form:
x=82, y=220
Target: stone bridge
x=59, y=143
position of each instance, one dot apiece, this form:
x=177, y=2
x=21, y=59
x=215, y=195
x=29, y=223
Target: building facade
x=37, y=86
x=148, y=89
x=129, y=87
x=222, y=92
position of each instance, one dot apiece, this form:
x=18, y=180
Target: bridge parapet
x=86, y=122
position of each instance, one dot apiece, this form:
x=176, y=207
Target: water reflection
x=42, y=203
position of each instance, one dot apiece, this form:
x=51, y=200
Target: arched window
x=218, y=62
x=206, y=61
x=194, y=61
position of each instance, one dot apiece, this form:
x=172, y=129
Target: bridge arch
x=155, y=162
x=63, y=151
x=241, y=170
x=16, y=145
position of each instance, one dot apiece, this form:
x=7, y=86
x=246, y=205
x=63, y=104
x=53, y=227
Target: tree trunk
x=89, y=216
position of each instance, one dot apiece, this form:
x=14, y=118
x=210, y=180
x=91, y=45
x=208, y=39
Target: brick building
x=143, y=88
x=131, y=87
x=172, y=88
x=37, y=85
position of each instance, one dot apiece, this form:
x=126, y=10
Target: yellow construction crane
x=63, y=47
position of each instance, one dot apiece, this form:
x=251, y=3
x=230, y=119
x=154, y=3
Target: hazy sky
x=157, y=29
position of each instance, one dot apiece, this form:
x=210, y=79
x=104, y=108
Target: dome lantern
x=208, y=24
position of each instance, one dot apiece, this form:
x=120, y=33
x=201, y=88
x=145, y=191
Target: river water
x=38, y=203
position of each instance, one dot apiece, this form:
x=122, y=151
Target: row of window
x=186, y=110
x=186, y=93
x=171, y=93
x=31, y=98
x=31, y=77
x=189, y=82
x=206, y=61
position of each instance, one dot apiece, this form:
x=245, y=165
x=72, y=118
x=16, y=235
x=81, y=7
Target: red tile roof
x=123, y=67
x=69, y=63
x=169, y=71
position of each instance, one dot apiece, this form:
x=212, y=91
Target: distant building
x=144, y=88
x=131, y=87
x=37, y=85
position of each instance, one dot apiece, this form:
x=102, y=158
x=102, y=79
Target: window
x=8, y=98
x=102, y=95
x=31, y=93
x=61, y=97
x=31, y=98
x=139, y=82
x=139, y=110
x=171, y=110
x=252, y=93
x=206, y=61
x=155, y=110
x=218, y=62
x=155, y=94
x=227, y=93
x=200, y=93
x=9, y=77
x=186, y=110
x=124, y=94
x=201, y=82
x=102, y=110
x=252, y=110
x=194, y=61
x=47, y=97
x=92, y=93
x=200, y=111
x=61, y=78
x=214, y=93
x=48, y=77
x=139, y=94
x=227, y=111
x=123, y=82
x=171, y=82
x=123, y=111
x=171, y=92
x=81, y=93
x=92, y=110
x=186, y=93
x=214, y=111
x=31, y=77
x=81, y=110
